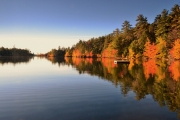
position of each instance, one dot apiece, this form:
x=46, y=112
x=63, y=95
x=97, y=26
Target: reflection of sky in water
x=36, y=68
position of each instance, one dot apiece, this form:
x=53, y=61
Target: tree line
x=160, y=39
x=60, y=52
x=15, y=52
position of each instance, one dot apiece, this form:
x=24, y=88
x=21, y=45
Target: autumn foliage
x=175, y=51
x=150, y=50
x=150, y=68
x=111, y=53
x=109, y=64
x=157, y=40
x=174, y=69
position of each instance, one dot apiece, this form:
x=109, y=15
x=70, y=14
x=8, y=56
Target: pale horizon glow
x=39, y=43
x=41, y=25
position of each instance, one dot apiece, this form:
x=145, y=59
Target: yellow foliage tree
x=161, y=49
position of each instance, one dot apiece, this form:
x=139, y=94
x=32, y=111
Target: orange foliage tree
x=89, y=54
x=67, y=54
x=175, y=51
x=109, y=53
x=150, y=50
x=76, y=53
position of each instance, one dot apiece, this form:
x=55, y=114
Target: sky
x=41, y=25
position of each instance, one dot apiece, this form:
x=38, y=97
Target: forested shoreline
x=159, y=40
x=15, y=52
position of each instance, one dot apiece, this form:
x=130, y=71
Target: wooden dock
x=121, y=61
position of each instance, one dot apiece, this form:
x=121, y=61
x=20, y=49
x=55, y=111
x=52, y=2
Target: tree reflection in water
x=149, y=77
x=15, y=59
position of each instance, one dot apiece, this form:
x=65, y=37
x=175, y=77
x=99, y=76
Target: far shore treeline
x=15, y=52
x=157, y=40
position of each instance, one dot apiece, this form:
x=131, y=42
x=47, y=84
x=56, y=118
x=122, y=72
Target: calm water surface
x=87, y=89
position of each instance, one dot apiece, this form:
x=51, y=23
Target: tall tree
x=162, y=25
x=174, y=30
x=127, y=31
x=141, y=32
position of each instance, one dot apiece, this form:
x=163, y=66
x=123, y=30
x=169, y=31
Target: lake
x=88, y=89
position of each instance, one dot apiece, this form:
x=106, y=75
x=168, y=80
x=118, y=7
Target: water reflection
x=15, y=60
x=160, y=80
x=58, y=60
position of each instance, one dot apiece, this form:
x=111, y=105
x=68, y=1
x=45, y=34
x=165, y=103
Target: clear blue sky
x=41, y=25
